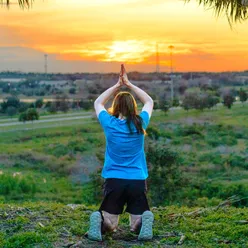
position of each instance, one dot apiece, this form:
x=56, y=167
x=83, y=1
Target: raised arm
x=141, y=94
x=104, y=97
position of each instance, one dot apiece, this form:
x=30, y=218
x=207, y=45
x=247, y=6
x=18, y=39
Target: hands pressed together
x=123, y=79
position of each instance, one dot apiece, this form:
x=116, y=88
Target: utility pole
x=171, y=71
x=46, y=63
x=157, y=60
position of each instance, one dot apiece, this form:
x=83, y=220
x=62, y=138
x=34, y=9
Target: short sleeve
x=145, y=117
x=104, y=118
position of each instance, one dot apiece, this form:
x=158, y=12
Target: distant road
x=43, y=121
x=49, y=116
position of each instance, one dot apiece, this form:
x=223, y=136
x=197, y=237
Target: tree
x=11, y=111
x=23, y=107
x=176, y=102
x=86, y=105
x=212, y=101
x=199, y=101
x=72, y=90
x=39, y=103
x=23, y=117
x=12, y=101
x=243, y=95
x=30, y=115
x=60, y=104
x=52, y=108
x=228, y=100
x=235, y=10
x=64, y=104
x=164, y=105
x=189, y=101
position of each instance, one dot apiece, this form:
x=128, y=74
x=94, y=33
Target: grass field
x=212, y=146
x=45, y=166
x=58, y=225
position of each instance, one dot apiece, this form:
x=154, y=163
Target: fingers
x=123, y=75
x=122, y=69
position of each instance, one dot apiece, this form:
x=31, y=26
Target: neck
x=121, y=117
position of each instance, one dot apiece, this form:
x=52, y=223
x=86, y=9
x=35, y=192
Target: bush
x=153, y=132
x=10, y=185
x=165, y=179
x=72, y=90
x=211, y=157
x=11, y=111
x=86, y=105
x=228, y=100
x=39, y=103
x=58, y=150
x=189, y=130
x=235, y=160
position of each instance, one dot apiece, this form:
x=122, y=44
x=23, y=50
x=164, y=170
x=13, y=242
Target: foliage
x=164, y=105
x=29, y=115
x=11, y=110
x=12, y=101
x=62, y=103
x=164, y=179
x=72, y=90
x=228, y=100
x=86, y=105
x=243, y=95
x=193, y=100
x=39, y=103
x=15, y=184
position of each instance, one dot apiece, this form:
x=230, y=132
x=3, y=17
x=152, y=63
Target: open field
x=211, y=147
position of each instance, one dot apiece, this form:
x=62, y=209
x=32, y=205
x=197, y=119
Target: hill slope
x=57, y=225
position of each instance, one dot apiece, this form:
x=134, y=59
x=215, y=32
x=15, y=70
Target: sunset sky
x=97, y=35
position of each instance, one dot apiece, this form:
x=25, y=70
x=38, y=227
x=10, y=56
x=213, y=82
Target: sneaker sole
x=146, y=228
x=94, y=232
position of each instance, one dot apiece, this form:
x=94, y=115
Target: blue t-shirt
x=124, y=154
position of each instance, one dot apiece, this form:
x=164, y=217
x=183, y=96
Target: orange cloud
x=127, y=31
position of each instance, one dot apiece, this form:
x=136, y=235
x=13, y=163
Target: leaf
x=242, y=222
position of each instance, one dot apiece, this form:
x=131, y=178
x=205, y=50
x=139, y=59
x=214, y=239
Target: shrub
x=211, y=157
x=153, y=132
x=30, y=115
x=235, y=160
x=228, y=100
x=10, y=184
x=189, y=130
x=165, y=179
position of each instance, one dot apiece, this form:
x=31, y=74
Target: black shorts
x=118, y=192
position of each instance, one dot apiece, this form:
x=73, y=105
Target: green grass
x=208, y=149
x=236, y=116
x=54, y=225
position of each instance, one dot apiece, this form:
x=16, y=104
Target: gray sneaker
x=146, y=228
x=94, y=232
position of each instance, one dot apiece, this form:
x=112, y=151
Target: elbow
x=150, y=101
x=97, y=103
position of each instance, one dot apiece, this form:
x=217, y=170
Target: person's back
x=124, y=155
x=125, y=169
